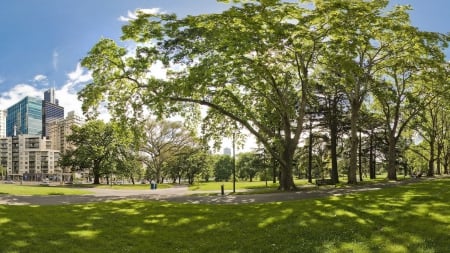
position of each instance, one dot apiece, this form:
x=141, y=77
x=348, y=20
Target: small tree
x=249, y=164
x=99, y=146
x=223, y=168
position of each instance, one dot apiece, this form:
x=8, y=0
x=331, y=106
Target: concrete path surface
x=183, y=195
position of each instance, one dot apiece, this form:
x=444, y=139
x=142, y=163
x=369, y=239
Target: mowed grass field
x=407, y=218
x=76, y=189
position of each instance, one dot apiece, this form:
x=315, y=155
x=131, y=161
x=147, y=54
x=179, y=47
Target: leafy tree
x=208, y=170
x=253, y=66
x=94, y=148
x=190, y=163
x=357, y=49
x=260, y=49
x=334, y=107
x=197, y=162
x=428, y=129
x=223, y=168
x=161, y=141
x=407, y=83
x=128, y=163
x=249, y=164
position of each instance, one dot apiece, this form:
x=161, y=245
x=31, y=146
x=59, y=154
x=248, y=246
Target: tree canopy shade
x=161, y=142
x=103, y=147
x=251, y=66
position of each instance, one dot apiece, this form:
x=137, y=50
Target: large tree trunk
x=353, y=144
x=286, y=175
x=430, y=172
x=96, y=172
x=96, y=176
x=333, y=142
x=371, y=158
x=392, y=159
x=438, y=160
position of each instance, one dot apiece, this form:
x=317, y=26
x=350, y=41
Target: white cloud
x=68, y=93
x=133, y=15
x=79, y=75
x=153, y=11
x=17, y=93
x=40, y=78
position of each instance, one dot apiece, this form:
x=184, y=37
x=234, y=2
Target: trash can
x=153, y=185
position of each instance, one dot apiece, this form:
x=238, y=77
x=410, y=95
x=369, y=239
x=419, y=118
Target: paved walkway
x=183, y=195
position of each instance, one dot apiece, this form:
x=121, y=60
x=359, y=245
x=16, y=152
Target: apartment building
x=29, y=157
x=59, y=130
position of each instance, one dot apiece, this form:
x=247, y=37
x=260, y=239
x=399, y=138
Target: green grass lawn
x=17, y=189
x=76, y=189
x=408, y=218
x=261, y=187
x=240, y=185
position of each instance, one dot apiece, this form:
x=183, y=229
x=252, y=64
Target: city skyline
x=32, y=115
x=62, y=38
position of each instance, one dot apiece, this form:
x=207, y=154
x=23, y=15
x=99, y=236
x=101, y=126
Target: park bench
x=325, y=181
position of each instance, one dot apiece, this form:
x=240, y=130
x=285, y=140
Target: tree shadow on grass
x=411, y=218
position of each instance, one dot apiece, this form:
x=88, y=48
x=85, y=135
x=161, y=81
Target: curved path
x=183, y=195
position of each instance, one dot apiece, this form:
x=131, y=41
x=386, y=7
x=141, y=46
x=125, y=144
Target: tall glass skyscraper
x=25, y=117
x=51, y=111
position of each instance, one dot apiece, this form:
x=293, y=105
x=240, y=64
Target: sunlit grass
x=408, y=218
x=241, y=185
x=17, y=189
x=76, y=189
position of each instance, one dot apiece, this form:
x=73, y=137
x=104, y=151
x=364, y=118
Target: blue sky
x=42, y=41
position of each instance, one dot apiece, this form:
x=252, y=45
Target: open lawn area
x=36, y=189
x=407, y=218
x=76, y=189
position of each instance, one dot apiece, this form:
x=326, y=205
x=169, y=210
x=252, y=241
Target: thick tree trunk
x=333, y=142
x=96, y=172
x=286, y=175
x=392, y=159
x=287, y=179
x=96, y=179
x=353, y=145
x=430, y=172
x=438, y=160
x=371, y=158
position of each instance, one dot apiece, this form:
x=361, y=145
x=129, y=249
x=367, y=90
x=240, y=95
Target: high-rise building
x=25, y=117
x=49, y=96
x=59, y=130
x=51, y=111
x=29, y=157
x=2, y=123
